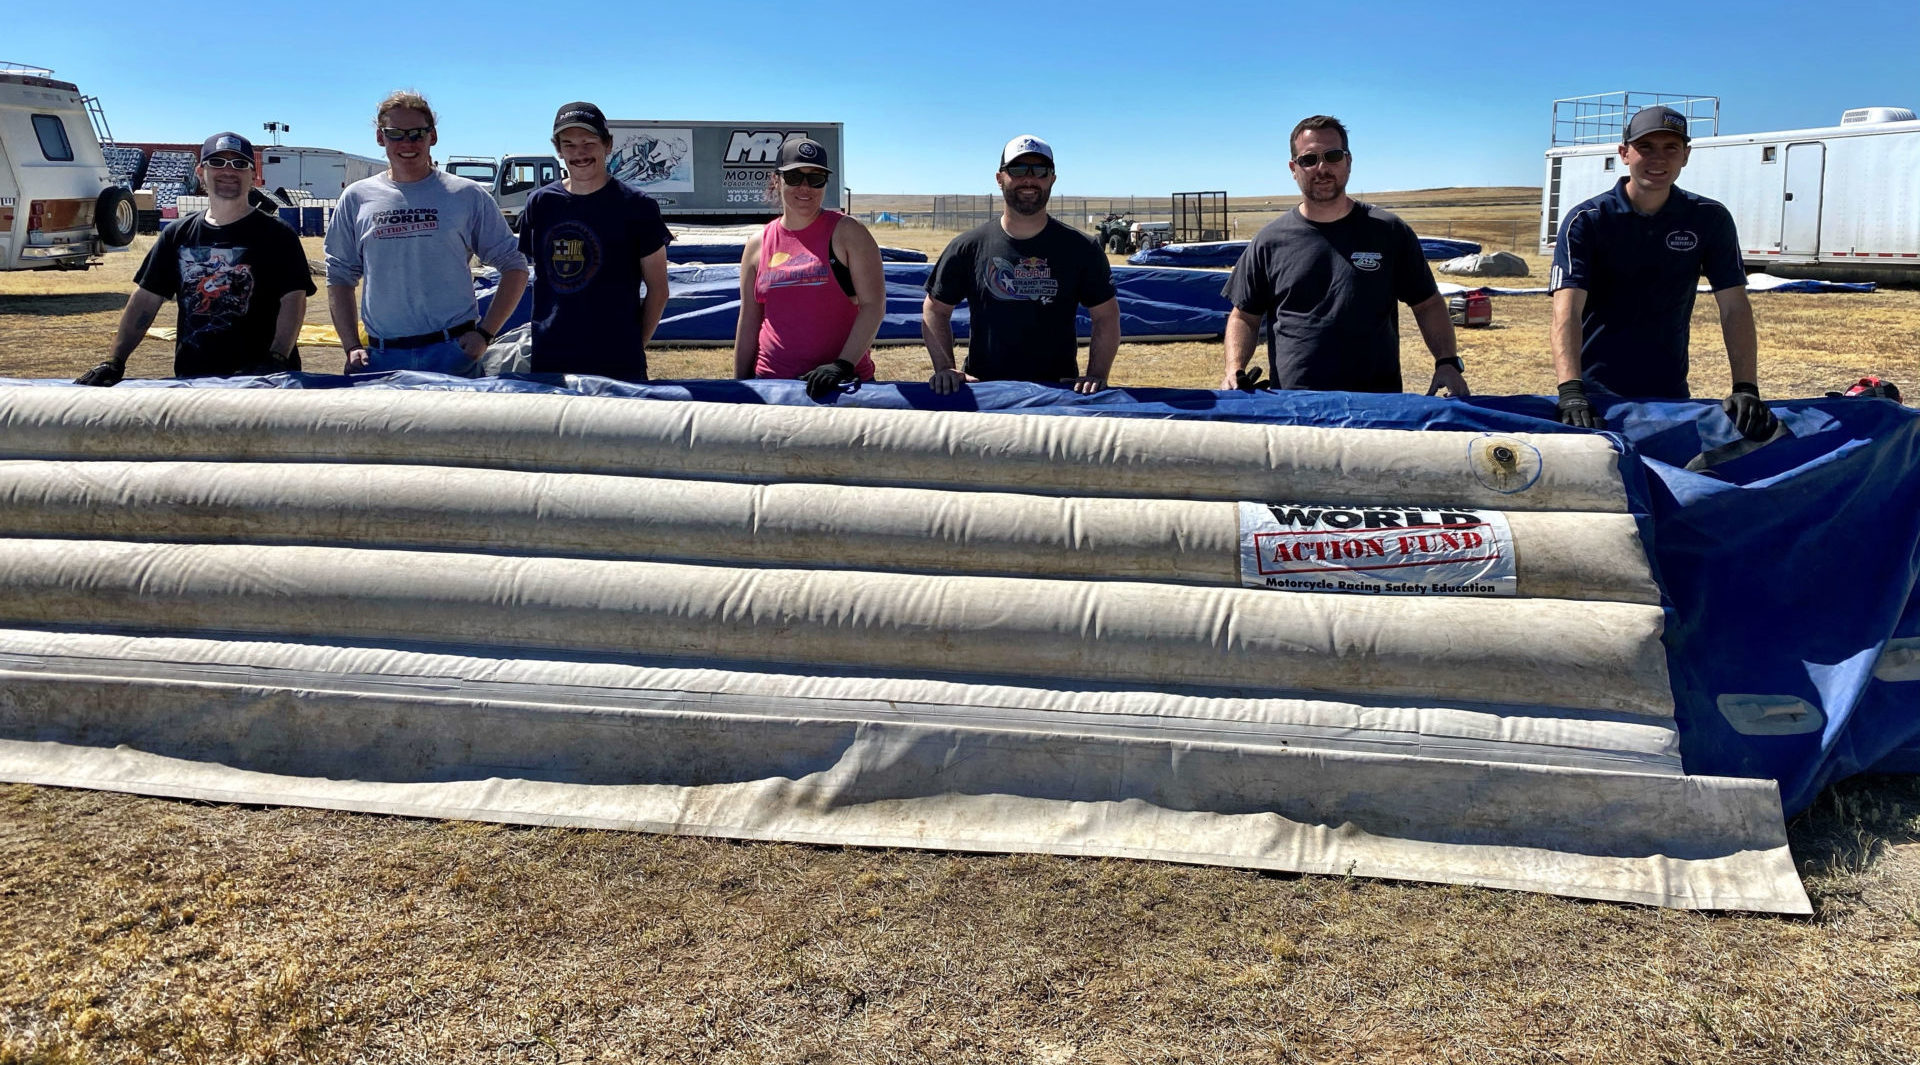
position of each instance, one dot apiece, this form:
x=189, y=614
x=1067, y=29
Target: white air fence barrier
x=974, y=632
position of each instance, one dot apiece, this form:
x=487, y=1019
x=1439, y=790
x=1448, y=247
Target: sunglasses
x=394, y=133
x=1037, y=170
x=1333, y=157
x=223, y=163
x=795, y=178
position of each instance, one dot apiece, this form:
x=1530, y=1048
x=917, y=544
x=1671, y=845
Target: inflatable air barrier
x=1380, y=636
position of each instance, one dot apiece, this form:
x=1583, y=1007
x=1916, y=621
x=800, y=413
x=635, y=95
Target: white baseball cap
x=1025, y=144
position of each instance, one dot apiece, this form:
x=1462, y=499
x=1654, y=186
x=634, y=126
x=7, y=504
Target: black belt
x=421, y=340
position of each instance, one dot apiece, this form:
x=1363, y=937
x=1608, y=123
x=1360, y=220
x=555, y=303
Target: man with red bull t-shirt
x=1024, y=276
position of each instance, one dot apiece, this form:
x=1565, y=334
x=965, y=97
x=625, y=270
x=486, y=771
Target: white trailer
x=59, y=205
x=321, y=173
x=1838, y=202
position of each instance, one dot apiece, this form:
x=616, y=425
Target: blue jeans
x=446, y=356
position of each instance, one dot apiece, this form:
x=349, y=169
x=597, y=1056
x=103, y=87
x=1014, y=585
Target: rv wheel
x=115, y=217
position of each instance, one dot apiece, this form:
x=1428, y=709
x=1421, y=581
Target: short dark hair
x=1317, y=122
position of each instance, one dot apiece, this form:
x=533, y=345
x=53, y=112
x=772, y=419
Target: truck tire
x=114, y=217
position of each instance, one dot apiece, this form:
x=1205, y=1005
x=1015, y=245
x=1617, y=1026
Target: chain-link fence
x=1082, y=212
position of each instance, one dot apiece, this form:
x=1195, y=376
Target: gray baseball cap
x=1654, y=120
x=797, y=152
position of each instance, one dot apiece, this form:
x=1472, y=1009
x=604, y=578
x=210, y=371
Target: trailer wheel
x=114, y=216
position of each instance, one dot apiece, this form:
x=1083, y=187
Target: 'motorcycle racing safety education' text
x=1377, y=550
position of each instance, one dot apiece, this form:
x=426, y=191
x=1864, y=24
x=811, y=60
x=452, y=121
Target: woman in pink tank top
x=812, y=291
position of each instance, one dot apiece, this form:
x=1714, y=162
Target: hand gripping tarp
x=916, y=628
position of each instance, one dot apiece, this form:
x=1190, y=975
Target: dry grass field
x=136, y=929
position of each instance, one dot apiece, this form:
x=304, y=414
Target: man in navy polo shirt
x=1625, y=271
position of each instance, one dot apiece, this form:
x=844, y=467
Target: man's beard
x=1034, y=206
x=1326, y=193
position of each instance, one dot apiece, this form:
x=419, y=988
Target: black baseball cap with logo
x=1655, y=120
x=803, y=151
x=581, y=115
x=225, y=142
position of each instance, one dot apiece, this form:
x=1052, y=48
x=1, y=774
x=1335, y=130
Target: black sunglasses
x=1039, y=170
x=394, y=133
x=221, y=163
x=816, y=179
x=1333, y=156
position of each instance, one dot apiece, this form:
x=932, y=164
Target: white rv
x=1839, y=202
x=321, y=173
x=59, y=205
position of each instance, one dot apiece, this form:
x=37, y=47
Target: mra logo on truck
x=746, y=147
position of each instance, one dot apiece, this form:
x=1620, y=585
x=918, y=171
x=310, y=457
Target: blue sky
x=1435, y=94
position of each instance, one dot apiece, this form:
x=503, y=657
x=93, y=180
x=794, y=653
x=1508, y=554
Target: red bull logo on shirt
x=1029, y=278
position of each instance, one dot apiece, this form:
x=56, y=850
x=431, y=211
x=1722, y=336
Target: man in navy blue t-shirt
x=1625, y=270
x=592, y=241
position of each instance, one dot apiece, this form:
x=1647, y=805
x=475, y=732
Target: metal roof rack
x=1601, y=117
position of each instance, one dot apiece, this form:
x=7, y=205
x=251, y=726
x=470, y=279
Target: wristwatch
x=1458, y=363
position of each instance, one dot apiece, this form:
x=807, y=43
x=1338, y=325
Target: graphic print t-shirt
x=227, y=282
x=1023, y=298
x=1327, y=295
x=586, y=253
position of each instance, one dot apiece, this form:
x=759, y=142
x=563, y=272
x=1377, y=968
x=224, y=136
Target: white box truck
x=59, y=204
x=1837, y=202
x=321, y=173
x=713, y=173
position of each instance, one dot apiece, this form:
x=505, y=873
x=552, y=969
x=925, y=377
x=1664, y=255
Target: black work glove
x=103, y=375
x=1575, y=409
x=1747, y=413
x=1248, y=380
x=826, y=377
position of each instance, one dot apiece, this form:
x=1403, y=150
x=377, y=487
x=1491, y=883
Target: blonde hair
x=404, y=98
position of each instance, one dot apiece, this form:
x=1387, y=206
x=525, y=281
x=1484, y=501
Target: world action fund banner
x=1376, y=550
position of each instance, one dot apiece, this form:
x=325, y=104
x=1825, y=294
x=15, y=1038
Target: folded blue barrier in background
x=723, y=252
x=1217, y=253
x=703, y=304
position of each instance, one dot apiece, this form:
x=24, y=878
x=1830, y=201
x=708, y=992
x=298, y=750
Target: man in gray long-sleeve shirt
x=410, y=233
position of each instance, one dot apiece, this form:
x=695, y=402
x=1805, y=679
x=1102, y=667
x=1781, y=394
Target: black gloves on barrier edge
x=827, y=377
x=1575, y=409
x=1248, y=380
x=1747, y=413
x=106, y=374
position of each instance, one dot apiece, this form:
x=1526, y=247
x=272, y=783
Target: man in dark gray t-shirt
x=1324, y=282
x=1024, y=276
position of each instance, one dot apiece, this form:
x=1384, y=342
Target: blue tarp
x=1227, y=252
x=1785, y=571
x=706, y=252
x=1447, y=248
x=1755, y=283
x=703, y=304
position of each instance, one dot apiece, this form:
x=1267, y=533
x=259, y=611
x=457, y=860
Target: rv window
x=53, y=138
x=1769, y=154
x=273, y=158
x=1609, y=165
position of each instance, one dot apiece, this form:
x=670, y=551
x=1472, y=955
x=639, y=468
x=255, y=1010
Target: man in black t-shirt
x=594, y=243
x=1325, y=281
x=239, y=277
x=1024, y=277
